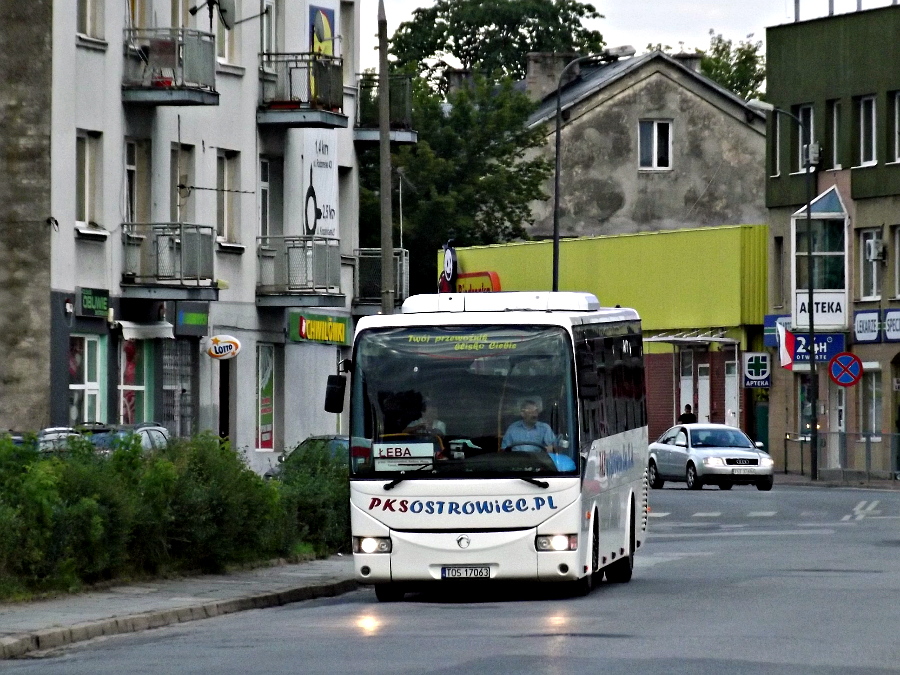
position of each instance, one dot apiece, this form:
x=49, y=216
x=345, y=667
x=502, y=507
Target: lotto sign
x=845, y=369
x=223, y=347
x=757, y=369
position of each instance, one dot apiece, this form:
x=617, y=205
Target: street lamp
x=762, y=106
x=610, y=54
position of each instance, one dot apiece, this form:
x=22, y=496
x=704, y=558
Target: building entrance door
x=686, y=383
x=732, y=402
x=703, y=392
x=837, y=425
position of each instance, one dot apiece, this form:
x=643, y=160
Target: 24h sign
x=757, y=369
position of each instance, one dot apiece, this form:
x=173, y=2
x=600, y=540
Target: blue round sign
x=845, y=369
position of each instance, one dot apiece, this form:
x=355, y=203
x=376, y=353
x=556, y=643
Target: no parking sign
x=845, y=369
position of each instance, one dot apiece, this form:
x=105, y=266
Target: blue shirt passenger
x=528, y=434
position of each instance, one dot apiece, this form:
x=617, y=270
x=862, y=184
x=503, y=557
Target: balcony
x=400, y=104
x=168, y=261
x=367, y=294
x=301, y=90
x=298, y=271
x=169, y=66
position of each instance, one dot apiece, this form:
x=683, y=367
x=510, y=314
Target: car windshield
x=719, y=438
x=442, y=400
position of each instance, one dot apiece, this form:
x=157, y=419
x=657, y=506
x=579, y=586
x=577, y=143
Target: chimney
x=544, y=69
x=688, y=60
x=457, y=79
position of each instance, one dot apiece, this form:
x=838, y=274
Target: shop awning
x=695, y=337
x=146, y=331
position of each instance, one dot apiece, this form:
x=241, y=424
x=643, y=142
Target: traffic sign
x=845, y=369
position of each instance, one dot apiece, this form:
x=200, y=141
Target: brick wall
x=660, y=402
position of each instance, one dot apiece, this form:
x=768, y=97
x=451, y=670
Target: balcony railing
x=302, y=81
x=175, y=254
x=167, y=61
x=399, y=100
x=368, y=281
x=298, y=264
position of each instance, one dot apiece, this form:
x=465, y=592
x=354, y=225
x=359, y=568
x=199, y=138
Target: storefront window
x=84, y=380
x=265, y=397
x=132, y=383
x=804, y=407
x=870, y=406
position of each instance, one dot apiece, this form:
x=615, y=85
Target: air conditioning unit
x=874, y=249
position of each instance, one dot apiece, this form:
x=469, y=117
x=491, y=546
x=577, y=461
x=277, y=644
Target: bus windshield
x=463, y=401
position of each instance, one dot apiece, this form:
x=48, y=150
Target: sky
x=677, y=23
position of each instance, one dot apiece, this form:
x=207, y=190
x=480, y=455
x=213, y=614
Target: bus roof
x=537, y=301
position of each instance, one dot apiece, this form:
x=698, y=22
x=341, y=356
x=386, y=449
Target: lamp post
x=762, y=106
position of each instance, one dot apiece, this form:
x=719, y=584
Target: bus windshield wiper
x=534, y=481
x=394, y=483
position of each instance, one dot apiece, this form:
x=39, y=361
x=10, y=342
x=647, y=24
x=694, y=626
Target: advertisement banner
x=757, y=370
x=265, y=399
x=320, y=173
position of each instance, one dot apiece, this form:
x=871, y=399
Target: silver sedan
x=715, y=454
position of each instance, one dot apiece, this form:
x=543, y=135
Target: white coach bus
x=496, y=436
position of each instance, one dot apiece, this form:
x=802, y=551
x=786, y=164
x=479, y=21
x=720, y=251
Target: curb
x=18, y=645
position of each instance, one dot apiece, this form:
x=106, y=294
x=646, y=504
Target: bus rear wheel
x=621, y=571
x=389, y=592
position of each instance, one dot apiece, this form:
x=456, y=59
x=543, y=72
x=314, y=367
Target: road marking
x=657, y=514
x=761, y=514
x=709, y=514
x=863, y=509
x=738, y=533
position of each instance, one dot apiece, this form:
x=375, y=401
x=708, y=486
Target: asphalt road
x=796, y=580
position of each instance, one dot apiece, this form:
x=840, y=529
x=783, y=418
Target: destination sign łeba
x=402, y=456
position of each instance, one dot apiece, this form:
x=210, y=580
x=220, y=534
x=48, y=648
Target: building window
x=84, y=379
x=775, y=146
x=778, y=272
x=264, y=197
x=137, y=14
x=87, y=172
x=181, y=17
x=870, y=254
x=269, y=45
x=90, y=18
x=896, y=230
x=828, y=255
x=137, y=181
x=178, y=388
x=224, y=43
x=181, y=175
x=227, y=202
x=834, y=121
x=805, y=113
x=265, y=397
x=867, y=131
x=130, y=181
x=870, y=405
x=897, y=127
x=655, y=144
x=804, y=405
x=132, y=382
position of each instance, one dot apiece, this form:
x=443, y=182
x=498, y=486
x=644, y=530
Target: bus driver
x=528, y=434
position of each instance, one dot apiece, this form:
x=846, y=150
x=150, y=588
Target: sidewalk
x=835, y=478
x=44, y=624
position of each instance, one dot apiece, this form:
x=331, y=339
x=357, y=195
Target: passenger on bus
x=528, y=434
x=428, y=422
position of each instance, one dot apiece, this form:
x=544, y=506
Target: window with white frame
x=870, y=255
x=90, y=18
x=805, y=113
x=130, y=181
x=775, y=146
x=870, y=402
x=778, y=272
x=225, y=44
x=84, y=379
x=829, y=256
x=138, y=14
x=181, y=17
x=87, y=172
x=896, y=257
x=264, y=197
x=655, y=144
x=265, y=397
x=804, y=404
x=136, y=207
x=132, y=382
x=896, y=148
x=181, y=178
x=867, y=131
x=269, y=37
x=835, y=122
x=227, y=202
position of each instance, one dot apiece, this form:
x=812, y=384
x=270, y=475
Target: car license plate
x=459, y=572
x=744, y=471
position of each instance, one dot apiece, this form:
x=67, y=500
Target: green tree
x=492, y=37
x=740, y=68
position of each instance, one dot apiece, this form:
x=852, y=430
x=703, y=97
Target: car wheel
x=389, y=592
x=655, y=481
x=725, y=486
x=621, y=571
x=766, y=483
x=694, y=482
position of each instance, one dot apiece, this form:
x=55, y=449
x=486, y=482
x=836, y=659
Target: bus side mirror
x=334, y=393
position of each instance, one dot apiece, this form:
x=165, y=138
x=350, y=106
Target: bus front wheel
x=389, y=592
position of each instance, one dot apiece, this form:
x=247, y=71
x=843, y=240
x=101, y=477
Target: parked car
x=107, y=437
x=54, y=439
x=338, y=446
x=715, y=454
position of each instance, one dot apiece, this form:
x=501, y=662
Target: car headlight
x=766, y=461
x=713, y=461
x=556, y=542
x=371, y=544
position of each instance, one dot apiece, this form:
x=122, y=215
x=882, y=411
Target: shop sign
x=757, y=370
x=192, y=318
x=770, y=334
x=304, y=327
x=478, y=282
x=830, y=309
x=891, y=325
x=92, y=302
x=867, y=326
x=828, y=345
x=223, y=347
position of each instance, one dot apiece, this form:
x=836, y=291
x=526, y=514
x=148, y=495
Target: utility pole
x=384, y=137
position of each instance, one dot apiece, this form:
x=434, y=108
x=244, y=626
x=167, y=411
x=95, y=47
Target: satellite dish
x=226, y=13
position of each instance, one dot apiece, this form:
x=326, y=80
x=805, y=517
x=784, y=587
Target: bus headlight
x=556, y=542
x=371, y=544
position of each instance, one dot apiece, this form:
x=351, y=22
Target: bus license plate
x=465, y=573
x=744, y=471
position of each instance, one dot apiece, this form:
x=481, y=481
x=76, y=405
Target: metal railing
x=399, y=100
x=298, y=264
x=843, y=454
x=169, y=58
x=173, y=253
x=368, y=281
x=302, y=80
